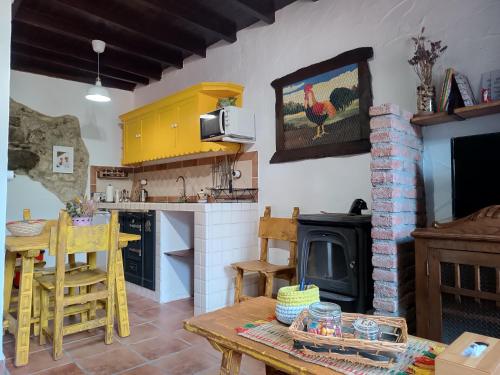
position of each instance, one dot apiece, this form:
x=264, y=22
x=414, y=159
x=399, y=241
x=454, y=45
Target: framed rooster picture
x=322, y=110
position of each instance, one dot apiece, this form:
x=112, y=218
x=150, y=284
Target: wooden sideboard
x=457, y=269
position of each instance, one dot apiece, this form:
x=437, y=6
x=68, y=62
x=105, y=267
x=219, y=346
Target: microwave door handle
x=221, y=121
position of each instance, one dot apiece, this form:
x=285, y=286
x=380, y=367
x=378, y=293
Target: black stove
x=334, y=253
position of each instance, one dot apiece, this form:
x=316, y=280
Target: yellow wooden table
x=29, y=248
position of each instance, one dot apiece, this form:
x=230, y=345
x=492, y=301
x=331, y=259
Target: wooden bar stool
x=270, y=228
x=94, y=284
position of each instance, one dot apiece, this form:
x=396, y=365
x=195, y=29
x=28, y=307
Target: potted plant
x=423, y=60
x=81, y=210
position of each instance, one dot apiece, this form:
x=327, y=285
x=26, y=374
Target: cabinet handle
x=138, y=135
x=173, y=126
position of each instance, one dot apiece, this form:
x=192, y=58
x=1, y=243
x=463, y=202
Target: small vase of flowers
x=423, y=60
x=81, y=210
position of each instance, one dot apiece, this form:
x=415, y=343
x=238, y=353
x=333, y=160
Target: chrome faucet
x=183, y=197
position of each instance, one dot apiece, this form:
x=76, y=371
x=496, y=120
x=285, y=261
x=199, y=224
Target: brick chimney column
x=398, y=207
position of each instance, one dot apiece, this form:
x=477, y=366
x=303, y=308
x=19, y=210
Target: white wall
x=305, y=33
x=98, y=122
x=4, y=130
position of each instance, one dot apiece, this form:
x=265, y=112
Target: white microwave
x=230, y=124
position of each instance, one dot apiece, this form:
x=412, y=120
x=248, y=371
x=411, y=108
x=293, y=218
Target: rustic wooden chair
x=68, y=240
x=270, y=228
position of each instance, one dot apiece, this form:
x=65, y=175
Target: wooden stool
x=270, y=228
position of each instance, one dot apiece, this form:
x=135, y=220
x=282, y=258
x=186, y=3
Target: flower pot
x=426, y=103
x=82, y=221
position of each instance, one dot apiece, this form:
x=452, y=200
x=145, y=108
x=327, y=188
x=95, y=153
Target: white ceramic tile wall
x=223, y=233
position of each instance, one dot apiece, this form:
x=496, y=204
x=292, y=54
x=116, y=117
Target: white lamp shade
x=97, y=93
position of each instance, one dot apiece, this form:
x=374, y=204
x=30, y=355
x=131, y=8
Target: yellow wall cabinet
x=170, y=127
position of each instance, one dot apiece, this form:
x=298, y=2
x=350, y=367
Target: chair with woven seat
x=94, y=284
x=270, y=228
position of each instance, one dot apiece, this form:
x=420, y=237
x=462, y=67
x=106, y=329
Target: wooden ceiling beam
x=197, y=14
x=151, y=27
x=74, y=62
x=28, y=64
x=262, y=9
x=53, y=17
x=62, y=44
x=16, y=4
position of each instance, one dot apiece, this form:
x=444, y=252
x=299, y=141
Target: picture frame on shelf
x=322, y=110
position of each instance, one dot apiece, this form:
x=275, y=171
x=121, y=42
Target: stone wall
x=397, y=209
x=31, y=138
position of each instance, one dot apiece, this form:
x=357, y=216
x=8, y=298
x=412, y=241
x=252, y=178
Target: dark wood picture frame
x=358, y=56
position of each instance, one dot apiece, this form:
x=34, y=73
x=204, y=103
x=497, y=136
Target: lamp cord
x=98, y=70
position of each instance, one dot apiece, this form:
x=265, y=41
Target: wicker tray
x=378, y=353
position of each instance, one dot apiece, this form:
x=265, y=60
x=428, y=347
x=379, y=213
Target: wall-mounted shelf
x=112, y=173
x=181, y=253
x=460, y=114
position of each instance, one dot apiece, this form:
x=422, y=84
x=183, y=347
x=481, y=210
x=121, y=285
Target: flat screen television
x=475, y=173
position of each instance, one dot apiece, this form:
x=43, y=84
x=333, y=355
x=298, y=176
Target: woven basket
x=291, y=302
x=356, y=350
x=26, y=228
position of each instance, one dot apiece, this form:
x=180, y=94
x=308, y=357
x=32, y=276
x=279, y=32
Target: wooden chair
x=68, y=240
x=270, y=228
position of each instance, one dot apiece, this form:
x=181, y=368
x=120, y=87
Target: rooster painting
x=318, y=112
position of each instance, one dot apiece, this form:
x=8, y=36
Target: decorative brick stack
x=398, y=207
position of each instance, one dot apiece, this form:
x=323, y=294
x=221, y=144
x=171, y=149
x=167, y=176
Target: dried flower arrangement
x=425, y=56
x=81, y=207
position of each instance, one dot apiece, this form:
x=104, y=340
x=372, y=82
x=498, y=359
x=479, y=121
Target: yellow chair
x=69, y=240
x=270, y=228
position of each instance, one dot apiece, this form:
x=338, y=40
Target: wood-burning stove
x=334, y=253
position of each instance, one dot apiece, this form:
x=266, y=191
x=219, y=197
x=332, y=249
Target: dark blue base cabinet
x=139, y=256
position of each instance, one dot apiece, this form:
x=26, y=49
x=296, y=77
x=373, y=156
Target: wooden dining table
x=218, y=327
x=28, y=248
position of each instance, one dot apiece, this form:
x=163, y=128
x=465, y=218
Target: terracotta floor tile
x=172, y=322
x=159, y=347
x=141, y=332
x=251, y=366
x=188, y=361
x=189, y=337
x=110, y=362
x=210, y=371
x=141, y=304
x=69, y=369
x=135, y=319
x=144, y=370
x=183, y=304
x=9, y=348
x=91, y=346
x=38, y=361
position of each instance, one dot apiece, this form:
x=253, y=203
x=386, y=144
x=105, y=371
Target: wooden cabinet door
x=166, y=136
x=132, y=140
x=149, y=130
x=188, y=129
x=463, y=293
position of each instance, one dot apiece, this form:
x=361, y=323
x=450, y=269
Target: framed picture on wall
x=322, y=110
x=62, y=159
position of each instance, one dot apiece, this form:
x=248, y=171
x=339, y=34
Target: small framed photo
x=62, y=159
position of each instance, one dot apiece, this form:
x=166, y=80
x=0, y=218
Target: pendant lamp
x=98, y=93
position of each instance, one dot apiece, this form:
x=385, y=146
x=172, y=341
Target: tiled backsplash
x=161, y=178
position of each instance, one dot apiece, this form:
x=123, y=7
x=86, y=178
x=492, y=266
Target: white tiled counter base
x=224, y=233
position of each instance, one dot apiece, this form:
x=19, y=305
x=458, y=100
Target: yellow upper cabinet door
x=149, y=127
x=132, y=139
x=168, y=122
x=188, y=131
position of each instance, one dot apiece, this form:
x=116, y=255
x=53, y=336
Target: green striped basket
x=291, y=302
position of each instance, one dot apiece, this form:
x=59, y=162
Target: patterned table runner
x=276, y=335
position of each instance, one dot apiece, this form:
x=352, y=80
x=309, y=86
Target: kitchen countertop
x=178, y=206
